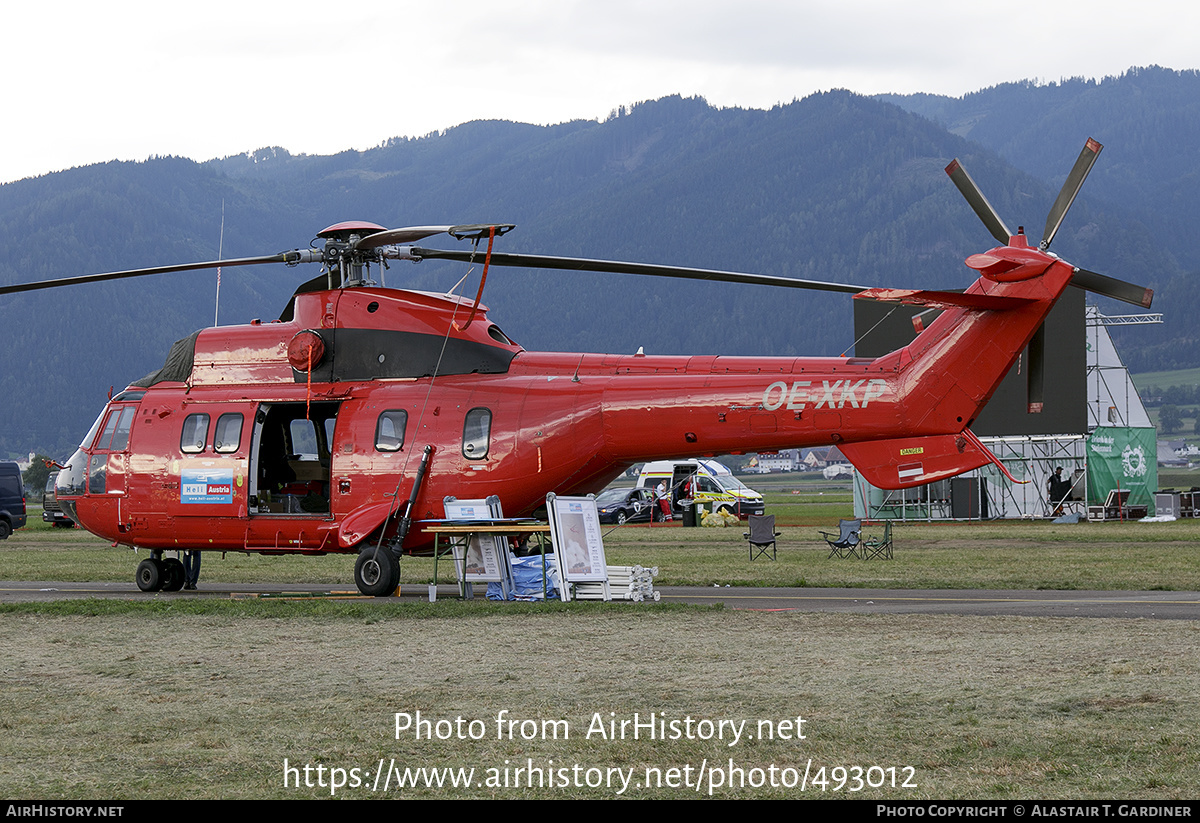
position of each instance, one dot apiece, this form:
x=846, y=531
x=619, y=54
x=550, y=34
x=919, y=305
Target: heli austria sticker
x=206, y=486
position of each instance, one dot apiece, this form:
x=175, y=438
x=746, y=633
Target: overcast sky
x=88, y=82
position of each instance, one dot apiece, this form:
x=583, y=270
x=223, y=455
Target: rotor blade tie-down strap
x=482, y=279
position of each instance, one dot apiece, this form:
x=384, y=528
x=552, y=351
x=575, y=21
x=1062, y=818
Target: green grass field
x=995, y=554
x=178, y=698
x=1165, y=379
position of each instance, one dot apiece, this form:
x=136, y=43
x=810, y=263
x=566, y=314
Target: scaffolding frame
x=1030, y=458
x=1036, y=457
x=928, y=503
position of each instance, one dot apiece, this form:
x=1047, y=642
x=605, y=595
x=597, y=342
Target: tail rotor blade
x=978, y=202
x=1074, y=181
x=1112, y=287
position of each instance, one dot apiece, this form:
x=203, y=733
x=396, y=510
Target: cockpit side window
x=120, y=438
x=109, y=426
x=115, y=436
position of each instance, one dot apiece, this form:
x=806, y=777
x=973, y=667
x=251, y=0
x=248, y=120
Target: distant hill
x=1148, y=119
x=832, y=187
x=1148, y=174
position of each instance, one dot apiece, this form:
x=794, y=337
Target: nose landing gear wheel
x=173, y=575
x=150, y=575
x=377, y=572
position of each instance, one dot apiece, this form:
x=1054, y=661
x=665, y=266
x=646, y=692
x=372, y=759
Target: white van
x=713, y=486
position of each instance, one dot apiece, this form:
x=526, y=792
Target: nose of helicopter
x=70, y=484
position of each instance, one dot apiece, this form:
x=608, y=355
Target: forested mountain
x=1149, y=172
x=833, y=187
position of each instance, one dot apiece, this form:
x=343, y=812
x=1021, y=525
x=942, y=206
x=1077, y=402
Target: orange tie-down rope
x=483, y=279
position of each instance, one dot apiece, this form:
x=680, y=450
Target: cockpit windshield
x=91, y=435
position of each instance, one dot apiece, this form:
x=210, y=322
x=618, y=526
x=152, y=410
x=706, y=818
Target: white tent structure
x=1112, y=398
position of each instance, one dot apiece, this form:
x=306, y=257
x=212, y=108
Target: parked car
x=622, y=506
x=51, y=511
x=12, y=499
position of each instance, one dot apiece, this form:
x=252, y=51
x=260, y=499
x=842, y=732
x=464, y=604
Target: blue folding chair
x=847, y=541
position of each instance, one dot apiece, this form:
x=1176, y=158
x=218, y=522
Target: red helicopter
x=336, y=427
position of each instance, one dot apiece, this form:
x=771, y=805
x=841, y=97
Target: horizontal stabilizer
x=943, y=299
x=915, y=461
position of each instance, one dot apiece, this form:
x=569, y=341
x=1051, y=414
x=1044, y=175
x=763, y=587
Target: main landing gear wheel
x=173, y=575
x=150, y=575
x=377, y=572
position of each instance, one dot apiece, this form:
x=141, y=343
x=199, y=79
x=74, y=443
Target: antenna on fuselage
x=220, y=251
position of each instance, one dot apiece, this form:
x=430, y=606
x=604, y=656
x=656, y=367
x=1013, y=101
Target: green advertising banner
x=1123, y=458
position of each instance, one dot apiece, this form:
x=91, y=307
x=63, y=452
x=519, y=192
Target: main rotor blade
x=538, y=261
x=392, y=237
x=282, y=257
x=1111, y=287
x=978, y=202
x=1071, y=186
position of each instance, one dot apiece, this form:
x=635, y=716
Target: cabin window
x=304, y=439
x=477, y=432
x=228, y=435
x=389, y=431
x=195, y=434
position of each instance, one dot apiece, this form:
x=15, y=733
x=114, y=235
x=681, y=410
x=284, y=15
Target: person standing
x=191, y=569
x=1057, y=488
x=664, y=499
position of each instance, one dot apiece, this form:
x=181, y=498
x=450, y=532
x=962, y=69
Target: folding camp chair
x=762, y=535
x=847, y=542
x=879, y=547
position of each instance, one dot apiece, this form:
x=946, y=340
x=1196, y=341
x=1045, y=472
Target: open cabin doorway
x=291, y=457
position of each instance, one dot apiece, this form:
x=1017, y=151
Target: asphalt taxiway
x=1150, y=605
